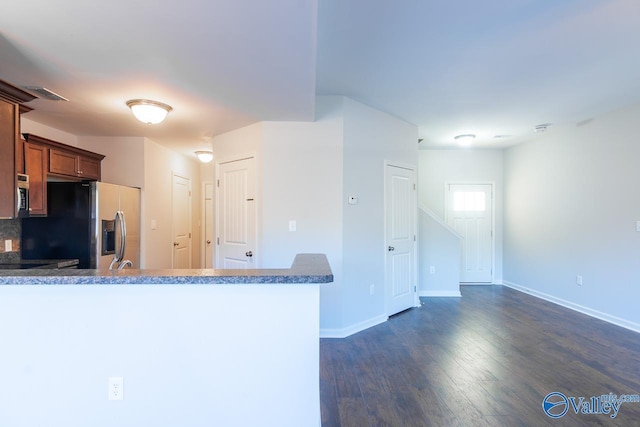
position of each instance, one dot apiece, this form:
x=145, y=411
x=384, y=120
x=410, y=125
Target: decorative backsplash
x=10, y=230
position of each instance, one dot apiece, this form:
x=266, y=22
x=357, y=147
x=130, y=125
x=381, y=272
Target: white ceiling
x=495, y=67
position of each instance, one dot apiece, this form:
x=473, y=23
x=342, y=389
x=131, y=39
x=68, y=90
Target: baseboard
x=576, y=307
x=353, y=329
x=439, y=293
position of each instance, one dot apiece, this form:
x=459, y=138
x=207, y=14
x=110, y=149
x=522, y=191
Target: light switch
x=154, y=224
x=8, y=245
x=292, y=225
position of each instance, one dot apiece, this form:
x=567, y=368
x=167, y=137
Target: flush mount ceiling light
x=204, y=156
x=465, y=139
x=150, y=112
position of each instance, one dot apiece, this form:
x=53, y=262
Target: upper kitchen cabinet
x=69, y=162
x=10, y=99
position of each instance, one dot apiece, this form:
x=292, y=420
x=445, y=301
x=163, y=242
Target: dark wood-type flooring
x=486, y=359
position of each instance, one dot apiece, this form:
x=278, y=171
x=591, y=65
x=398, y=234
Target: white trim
x=353, y=329
x=440, y=221
x=576, y=307
x=440, y=294
x=203, y=222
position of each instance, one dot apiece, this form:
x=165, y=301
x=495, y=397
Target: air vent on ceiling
x=45, y=93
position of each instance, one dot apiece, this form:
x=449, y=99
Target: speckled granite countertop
x=306, y=268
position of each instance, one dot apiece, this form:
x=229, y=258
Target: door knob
x=175, y=243
x=208, y=242
x=249, y=253
x=391, y=249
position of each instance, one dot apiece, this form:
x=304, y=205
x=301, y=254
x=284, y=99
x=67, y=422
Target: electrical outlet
x=432, y=269
x=292, y=225
x=8, y=245
x=372, y=289
x=579, y=280
x=115, y=388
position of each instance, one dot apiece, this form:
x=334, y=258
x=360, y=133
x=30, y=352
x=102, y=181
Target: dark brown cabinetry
x=35, y=164
x=10, y=99
x=69, y=162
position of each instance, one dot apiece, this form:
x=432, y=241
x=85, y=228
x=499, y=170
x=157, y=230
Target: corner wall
x=302, y=181
x=371, y=137
x=572, y=202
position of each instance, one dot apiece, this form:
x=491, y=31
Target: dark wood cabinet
x=62, y=162
x=65, y=161
x=35, y=161
x=10, y=155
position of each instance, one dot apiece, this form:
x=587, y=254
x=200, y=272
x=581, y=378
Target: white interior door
x=236, y=214
x=470, y=213
x=209, y=231
x=400, y=207
x=181, y=219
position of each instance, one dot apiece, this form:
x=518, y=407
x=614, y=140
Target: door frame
x=203, y=228
x=414, y=273
x=189, y=218
x=257, y=258
x=493, y=219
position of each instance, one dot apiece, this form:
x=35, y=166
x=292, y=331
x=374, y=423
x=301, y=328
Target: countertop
x=306, y=268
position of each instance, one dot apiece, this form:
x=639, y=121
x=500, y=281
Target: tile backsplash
x=10, y=230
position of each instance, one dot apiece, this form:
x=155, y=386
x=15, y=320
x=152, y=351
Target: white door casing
x=236, y=214
x=469, y=210
x=400, y=237
x=181, y=221
x=208, y=232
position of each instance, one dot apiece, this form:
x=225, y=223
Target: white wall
x=124, y=161
x=29, y=126
x=371, y=137
x=572, y=202
x=439, y=247
x=438, y=167
x=190, y=355
x=159, y=163
x=302, y=181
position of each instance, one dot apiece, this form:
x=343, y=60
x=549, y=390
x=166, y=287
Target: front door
x=401, y=217
x=470, y=213
x=236, y=215
x=181, y=218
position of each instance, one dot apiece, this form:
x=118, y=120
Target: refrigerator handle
x=123, y=235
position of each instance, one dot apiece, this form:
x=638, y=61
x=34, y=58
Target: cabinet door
x=8, y=133
x=35, y=160
x=88, y=168
x=62, y=162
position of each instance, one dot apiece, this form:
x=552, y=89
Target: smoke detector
x=541, y=128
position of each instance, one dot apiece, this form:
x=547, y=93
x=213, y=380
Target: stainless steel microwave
x=23, y=195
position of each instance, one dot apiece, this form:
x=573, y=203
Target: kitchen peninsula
x=193, y=347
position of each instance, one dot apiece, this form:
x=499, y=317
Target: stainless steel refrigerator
x=95, y=222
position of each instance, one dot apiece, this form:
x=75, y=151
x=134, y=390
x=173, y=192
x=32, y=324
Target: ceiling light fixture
x=465, y=139
x=147, y=111
x=205, y=156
